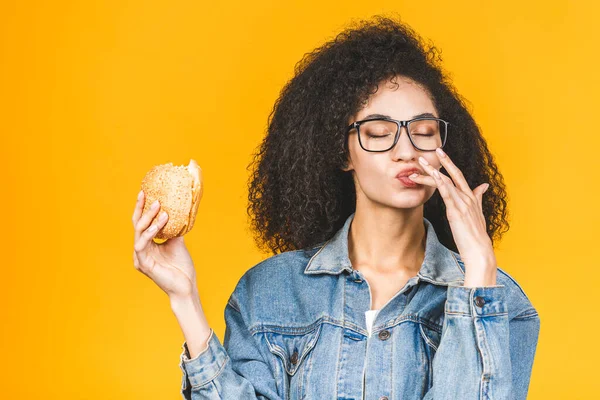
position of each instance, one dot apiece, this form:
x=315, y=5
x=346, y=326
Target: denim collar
x=440, y=265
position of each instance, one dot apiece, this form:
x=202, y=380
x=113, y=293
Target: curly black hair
x=299, y=196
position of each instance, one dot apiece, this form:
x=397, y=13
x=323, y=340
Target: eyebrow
x=422, y=115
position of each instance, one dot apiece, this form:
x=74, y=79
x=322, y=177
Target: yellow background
x=92, y=94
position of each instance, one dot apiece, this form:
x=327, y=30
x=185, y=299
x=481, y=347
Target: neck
x=387, y=240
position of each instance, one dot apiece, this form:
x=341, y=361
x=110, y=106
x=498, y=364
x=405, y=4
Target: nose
x=403, y=149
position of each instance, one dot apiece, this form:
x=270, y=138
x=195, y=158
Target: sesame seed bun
x=179, y=190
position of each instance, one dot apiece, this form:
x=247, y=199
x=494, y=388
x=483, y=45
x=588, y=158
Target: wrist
x=486, y=278
x=481, y=271
x=194, y=326
x=185, y=304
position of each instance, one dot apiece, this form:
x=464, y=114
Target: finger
x=455, y=191
x=423, y=179
x=144, y=222
x=445, y=186
x=139, y=207
x=455, y=173
x=449, y=191
x=146, y=237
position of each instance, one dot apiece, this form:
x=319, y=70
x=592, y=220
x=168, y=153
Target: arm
x=193, y=323
x=482, y=355
x=234, y=370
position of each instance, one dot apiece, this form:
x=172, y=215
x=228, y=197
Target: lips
x=402, y=176
x=407, y=172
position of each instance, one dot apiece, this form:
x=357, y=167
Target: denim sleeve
x=482, y=354
x=234, y=370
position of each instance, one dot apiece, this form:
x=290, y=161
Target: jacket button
x=384, y=335
x=479, y=301
x=294, y=358
x=383, y=398
x=358, y=280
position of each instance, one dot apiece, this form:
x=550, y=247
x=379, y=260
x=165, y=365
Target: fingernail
x=155, y=205
x=413, y=175
x=487, y=185
x=440, y=152
x=140, y=194
x=423, y=161
x=163, y=216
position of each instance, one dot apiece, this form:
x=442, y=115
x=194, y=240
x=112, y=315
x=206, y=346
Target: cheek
x=372, y=179
x=369, y=167
x=431, y=159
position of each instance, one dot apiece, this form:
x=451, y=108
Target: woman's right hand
x=168, y=264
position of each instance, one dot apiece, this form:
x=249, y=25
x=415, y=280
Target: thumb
x=480, y=190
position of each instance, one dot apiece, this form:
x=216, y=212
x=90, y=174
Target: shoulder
x=277, y=274
x=519, y=303
x=282, y=266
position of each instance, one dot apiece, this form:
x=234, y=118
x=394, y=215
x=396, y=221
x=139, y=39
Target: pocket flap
x=292, y=345
x=431, y=336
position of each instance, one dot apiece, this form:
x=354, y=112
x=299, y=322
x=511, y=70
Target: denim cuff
x=206, y=366
x=478, y=301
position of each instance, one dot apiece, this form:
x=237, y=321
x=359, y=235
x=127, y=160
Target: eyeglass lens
x=426, y=134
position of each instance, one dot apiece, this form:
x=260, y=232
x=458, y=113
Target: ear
x=348, y=164
x=347, y=167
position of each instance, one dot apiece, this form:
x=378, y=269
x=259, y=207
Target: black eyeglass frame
x=399, y=125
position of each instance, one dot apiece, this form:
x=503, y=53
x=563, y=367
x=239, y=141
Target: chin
x=409, y=199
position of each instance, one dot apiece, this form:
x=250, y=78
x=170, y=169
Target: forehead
x=401, y=101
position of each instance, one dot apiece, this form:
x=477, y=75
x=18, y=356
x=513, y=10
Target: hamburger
x=179, y=190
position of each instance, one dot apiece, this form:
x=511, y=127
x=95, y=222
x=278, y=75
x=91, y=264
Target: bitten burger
x=179, y=190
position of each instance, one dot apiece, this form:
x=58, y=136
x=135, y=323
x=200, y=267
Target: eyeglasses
x=381, y=134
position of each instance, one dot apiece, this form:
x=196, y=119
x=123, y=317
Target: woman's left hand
x=467, y=222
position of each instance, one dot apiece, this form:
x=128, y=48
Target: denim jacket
x=296, y=329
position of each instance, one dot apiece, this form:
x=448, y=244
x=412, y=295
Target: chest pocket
x=430, y=336
x=431, y=342
x=293, y=345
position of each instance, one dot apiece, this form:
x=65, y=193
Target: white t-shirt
x=370, y=317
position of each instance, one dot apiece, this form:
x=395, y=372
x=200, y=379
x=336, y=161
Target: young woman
x=383, y=283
